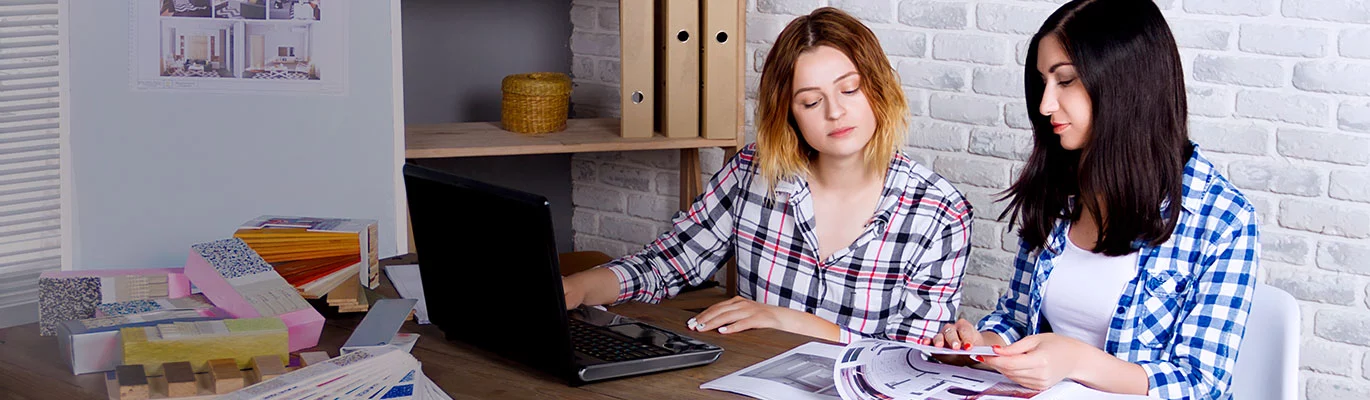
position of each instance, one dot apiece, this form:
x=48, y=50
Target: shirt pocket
x=1160, y=301
x=865, y=292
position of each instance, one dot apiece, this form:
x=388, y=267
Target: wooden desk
x=30, y=367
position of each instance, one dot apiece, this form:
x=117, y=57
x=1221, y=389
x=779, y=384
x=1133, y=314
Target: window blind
x=30, y=224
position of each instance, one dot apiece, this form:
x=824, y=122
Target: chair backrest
x=1268, y=361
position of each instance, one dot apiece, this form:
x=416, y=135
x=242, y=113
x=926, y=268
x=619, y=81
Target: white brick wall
x=1279, y=97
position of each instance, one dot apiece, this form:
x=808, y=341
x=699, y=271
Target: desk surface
x=30, y=367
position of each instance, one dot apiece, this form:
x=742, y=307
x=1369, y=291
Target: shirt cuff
x=627, y=289
x=1163, y=379
x=1005, y=331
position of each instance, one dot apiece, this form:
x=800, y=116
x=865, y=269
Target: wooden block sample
x=224, y=375
x=180, y=379
x=313, y=357
x=132, y=382
x=346, y=294
x=267, y=367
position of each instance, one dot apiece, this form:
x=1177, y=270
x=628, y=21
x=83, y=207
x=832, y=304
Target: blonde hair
x=781, y=150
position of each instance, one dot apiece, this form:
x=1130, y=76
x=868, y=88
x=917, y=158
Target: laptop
x=491, y=279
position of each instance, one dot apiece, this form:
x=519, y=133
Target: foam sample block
x=92, y=345
x=239, y=281
x=199, y=342
x=73, y=295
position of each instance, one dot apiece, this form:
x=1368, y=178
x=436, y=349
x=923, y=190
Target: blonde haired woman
x=836, y=233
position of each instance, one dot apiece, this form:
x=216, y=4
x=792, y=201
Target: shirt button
x=1121, y=310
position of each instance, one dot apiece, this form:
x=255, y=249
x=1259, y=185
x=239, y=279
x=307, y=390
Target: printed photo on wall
x=239, y=45
x=197, y=48
x=301, y=10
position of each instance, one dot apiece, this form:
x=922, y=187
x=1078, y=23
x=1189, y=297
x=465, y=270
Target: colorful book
x=239, y=281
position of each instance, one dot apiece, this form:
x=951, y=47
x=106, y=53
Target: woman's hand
x=591, y=287
x=575, y=295
x=1040, y=361
x=959, y=336
x=738, y=314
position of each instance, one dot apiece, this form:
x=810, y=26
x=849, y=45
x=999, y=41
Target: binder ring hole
x=721, y=37
x=683, y=36
x=637, y=97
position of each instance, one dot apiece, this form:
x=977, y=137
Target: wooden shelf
x=475, y=139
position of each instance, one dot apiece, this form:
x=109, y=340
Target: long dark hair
x=1139, y=142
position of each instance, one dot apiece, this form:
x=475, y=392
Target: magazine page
x=803, y=373
x=874, y=369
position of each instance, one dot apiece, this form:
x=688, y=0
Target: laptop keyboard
x=594, y=341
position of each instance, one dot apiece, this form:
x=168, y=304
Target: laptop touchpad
x=648, y=335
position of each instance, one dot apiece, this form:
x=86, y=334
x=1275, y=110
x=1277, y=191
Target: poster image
x=256, y=46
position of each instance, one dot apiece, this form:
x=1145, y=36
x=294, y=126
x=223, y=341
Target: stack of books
x=316, y=255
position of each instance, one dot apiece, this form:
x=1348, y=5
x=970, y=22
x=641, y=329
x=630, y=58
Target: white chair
x=1268, y=362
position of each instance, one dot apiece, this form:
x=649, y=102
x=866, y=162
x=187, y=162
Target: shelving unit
x=480, y=139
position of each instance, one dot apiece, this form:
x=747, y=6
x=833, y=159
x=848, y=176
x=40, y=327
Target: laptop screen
x=488, y=261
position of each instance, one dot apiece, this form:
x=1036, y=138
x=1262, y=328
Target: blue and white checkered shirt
x=1182, y=318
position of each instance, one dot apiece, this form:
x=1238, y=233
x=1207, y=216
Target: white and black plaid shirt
x=897, y=281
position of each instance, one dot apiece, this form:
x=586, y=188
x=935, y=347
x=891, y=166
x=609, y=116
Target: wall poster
x=243, y=46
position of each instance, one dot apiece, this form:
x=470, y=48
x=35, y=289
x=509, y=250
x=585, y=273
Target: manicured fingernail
x=979, y=359
x=691, y=323
x=723, y=330
x=996, y=347
x=699, y=326
x=965, y=346
x=955, y=344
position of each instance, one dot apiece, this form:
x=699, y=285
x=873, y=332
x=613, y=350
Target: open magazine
x=885, y=370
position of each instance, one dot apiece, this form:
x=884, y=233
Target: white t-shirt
x=1081, y=294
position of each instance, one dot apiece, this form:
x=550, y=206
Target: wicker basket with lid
x=535, y=102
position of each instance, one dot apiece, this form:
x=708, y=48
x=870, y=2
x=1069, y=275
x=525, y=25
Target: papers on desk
x=371, y=373
x=803, y=373
x=875, y=369
x=406, y=279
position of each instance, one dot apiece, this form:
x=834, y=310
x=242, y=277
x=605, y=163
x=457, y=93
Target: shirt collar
x=1198, y=177
x=896, y=178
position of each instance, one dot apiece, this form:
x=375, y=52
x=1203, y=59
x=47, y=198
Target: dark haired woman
x=1138, y=259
